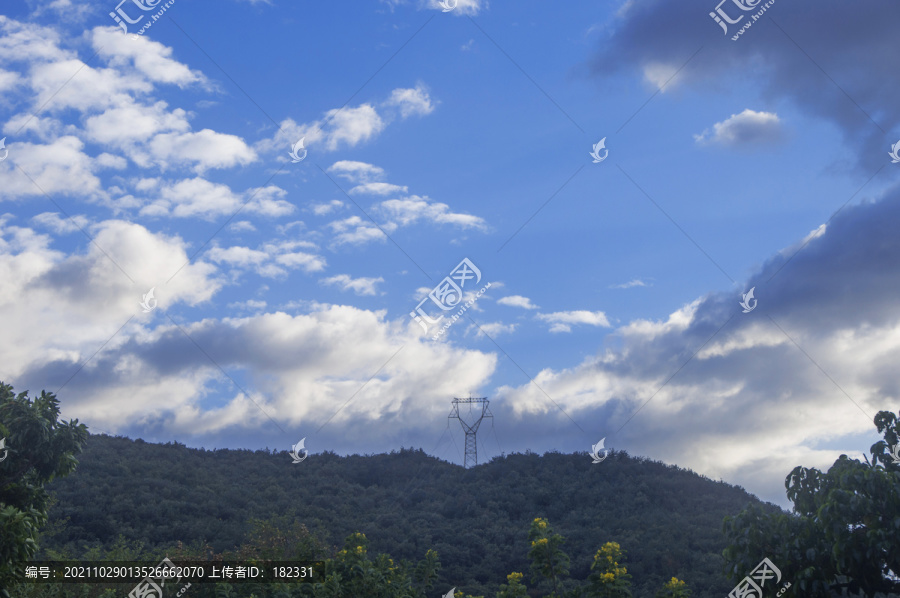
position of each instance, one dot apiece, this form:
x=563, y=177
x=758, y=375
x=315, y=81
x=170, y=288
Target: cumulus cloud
x=357, y=172
x=494, y=329
x=746, y=128
x=271, y=260
x=744, y=396
x=355, y=231
x=361, y=286
x=562, y=321
x=61, y=224
x=201, y=198
x=205, y=149
x=517, y=301
x=323, y=209
x=414, y=101
x=413, y=208
x=347, y=127
x=60, y=168
x=152, y=59
x=88, y=295
x=378, y=189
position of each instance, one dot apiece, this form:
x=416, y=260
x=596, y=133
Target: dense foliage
x=667, y=520
x=845, y=533
x=36, y=448
x=351, y=572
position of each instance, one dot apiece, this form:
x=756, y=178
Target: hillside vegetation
x=667, y=520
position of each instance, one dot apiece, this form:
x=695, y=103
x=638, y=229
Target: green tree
x=40, y=448
x=608, y=579
x=844, y=533
x=513, y=588
x=547, y=558
x=674, y=588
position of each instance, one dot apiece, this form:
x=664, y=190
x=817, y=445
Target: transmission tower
x=471, y=458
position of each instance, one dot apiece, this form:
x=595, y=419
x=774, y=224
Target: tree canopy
x=37, y=449
x=843, y=534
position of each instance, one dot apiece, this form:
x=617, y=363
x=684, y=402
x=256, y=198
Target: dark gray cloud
x=835, y=60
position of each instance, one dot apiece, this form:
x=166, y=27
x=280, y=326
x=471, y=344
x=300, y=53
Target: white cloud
x=60, y=224
x=413, y=101
x=326, y=208
x=413, y=208
x=56, y=168
x=360, y=286
x=250, y=305
x=308, y=262
x=193, y=197
x=517, y=301
x=268, y=201
x=199, y=197
x=272, y=260
x=494, y=329
x=150, y=58
x=355, y=231
x=92, y=88
x=357, y=172
x=347, y=127
x=241, y=226
x=637, y=282
x=129, y=123
x=378, y=189
x=561, y=321
x=661, y=75
x=106, y=160
x=746, y=128
x=205, y=149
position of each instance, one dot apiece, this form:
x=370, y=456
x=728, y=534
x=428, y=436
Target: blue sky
x=283, y=290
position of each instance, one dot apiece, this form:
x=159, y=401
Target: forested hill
x=667, y=520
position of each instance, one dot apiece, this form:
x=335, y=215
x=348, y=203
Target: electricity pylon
x=471, y=458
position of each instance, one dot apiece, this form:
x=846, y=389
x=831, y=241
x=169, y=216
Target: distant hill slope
x=668, y=520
